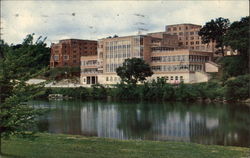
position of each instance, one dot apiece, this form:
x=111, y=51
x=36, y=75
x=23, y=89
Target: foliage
x=30, y=56
x=237, y=38
x=98, y=91
x=95, y=92
x=213, y=90
x=238, y=88
x=157, y=90
x=79, y=92
x=62, y=72
x=233, y=66
x=160, y=90
x=19, y=63
x=134, y=70
x=214, y=31
x=125, y=91
x=186, y=92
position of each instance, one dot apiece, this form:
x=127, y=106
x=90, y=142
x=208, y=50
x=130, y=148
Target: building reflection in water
x=175, y=122
x=135, y=123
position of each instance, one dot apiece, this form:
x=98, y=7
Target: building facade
x=113, y=51
x=89, y=71
x=177, y=54
x=160, y=50
x=179, y=65
x=67, y=52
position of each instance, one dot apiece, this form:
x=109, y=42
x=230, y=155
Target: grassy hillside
x=54, y=146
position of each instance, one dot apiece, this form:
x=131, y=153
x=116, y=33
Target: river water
x=220, y=124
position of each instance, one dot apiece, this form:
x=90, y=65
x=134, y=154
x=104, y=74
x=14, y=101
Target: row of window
x=162, y=49
x=171, y=78
x=122, y=54
x=85, y=48
x=111, y=79
x=118, y=47
x=191, y=38
x=120, y=42
x=89, y=70
x=89, y=62
x=194, y=42
x=65, y=57
x=186, y=33
x=200, y=48
x=169, y=58
x=177, y=67
x=191, y=58
x=112, y=67
x=175, y=28
x=118, y=55
x=85, y=43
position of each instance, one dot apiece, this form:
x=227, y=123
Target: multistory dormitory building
x=188, y=37
x=177, y=54
x=67, y=52
x=161, y=50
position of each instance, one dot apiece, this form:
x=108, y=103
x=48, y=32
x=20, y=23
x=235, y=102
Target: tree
x=30, y=55
x=237, y=38
x=214, y=31
x=134, y=70
x=18, y=63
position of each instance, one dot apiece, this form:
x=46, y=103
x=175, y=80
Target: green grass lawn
x=62, y=146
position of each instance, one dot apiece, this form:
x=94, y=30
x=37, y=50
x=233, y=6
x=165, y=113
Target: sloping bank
x=235, y=89
x=62, y=146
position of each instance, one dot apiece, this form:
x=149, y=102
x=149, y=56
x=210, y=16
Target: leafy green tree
x=233, y=66
x=214, y=31
x=237, y=38
x=30, y=55
x=134, y=70
x=18, y=63
x=238, y=88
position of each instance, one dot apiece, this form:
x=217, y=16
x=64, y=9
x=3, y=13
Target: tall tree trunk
x=222, y=51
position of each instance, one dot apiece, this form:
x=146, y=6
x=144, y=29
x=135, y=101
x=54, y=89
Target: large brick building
x=160, y=50
x=188, y=37
x=113, y=51
x=69, y=51
x=176, y=54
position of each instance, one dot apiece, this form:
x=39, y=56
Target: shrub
x=98, y=91
x=79, y=92
x=213, y=90
x=186, y=92
x=157, y=90
x=237, y=88
x=126, y=91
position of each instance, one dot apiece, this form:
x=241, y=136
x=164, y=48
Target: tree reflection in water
x=221, y=124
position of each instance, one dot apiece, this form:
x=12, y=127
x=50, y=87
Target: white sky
x=98, y=19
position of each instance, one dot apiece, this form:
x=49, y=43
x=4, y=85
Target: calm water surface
x=221, y=124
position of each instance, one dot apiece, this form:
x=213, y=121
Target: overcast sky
x=98, y=19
